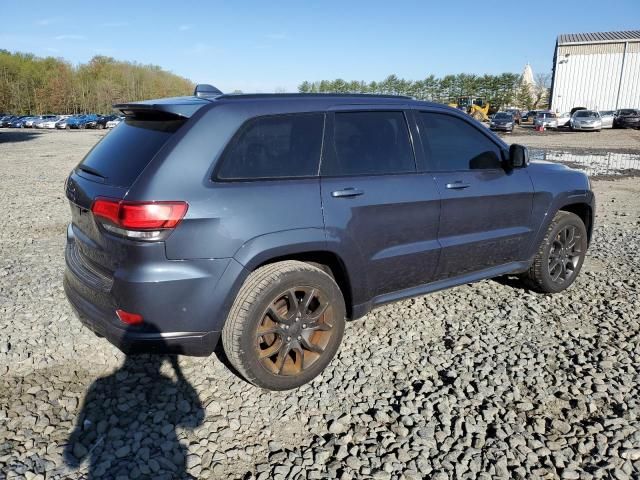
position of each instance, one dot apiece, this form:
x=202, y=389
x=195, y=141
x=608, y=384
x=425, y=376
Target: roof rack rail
x=206, y=90
x=313, y=95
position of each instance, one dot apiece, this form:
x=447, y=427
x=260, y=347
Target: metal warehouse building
x=599, y=71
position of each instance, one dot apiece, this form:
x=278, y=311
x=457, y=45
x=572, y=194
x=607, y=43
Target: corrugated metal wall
x=630, y=85
x=590, y=77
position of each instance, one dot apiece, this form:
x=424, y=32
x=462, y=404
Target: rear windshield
x=124, y=152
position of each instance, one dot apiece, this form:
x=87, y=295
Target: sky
x=265, y=46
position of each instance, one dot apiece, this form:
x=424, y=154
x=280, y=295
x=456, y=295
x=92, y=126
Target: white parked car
x=114, y=122
x=607, y=116
x=563, y=119
x=586, y=120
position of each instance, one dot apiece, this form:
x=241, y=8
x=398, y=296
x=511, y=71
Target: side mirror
x=518, y=156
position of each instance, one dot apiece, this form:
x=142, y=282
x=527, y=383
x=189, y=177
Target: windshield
x=502, y=116
x=628, y=111
x=586, y=114
x=546, y=115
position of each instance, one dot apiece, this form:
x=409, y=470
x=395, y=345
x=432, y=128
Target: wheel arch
x=305, y=245
x=584, y=212
x=330, y=263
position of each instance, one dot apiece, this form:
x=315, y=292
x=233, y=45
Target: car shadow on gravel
x=19, y=136
x=128, y=422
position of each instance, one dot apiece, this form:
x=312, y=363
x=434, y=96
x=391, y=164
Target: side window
x=451, y=144
x=275, y=147
x=370, y=143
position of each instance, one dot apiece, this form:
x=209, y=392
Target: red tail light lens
x=129, y=318
x=140, y=215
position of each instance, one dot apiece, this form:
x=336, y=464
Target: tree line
x=35, y=85
x=506, y=89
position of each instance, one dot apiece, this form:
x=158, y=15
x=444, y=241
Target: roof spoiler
x=206, y=90
x=183, y=107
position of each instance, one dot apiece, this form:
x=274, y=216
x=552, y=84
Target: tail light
x=129, y=318
x=139, y=220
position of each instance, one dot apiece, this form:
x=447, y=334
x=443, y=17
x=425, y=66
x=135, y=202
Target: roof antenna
x=205, y=90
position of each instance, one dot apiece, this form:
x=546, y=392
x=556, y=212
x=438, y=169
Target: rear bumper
x=128, y=340
x=183, y=303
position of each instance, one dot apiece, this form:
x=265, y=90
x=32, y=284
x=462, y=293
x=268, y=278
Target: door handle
x=347, y=192
x=457, y=185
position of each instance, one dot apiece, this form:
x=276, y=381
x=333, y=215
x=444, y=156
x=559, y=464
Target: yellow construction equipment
x=474, y=106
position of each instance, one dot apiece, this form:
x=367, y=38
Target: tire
x=264, y=303
x=99, y=126
x=547, y=273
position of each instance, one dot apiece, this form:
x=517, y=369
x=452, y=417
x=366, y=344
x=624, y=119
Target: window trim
x=214, y=177
x=426, y=153
x=329, y=140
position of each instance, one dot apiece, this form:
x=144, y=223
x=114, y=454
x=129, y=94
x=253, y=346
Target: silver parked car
x=29, y=121
x=586, y=120
x=607, y=116
x=46, y=121
x=546, y=119
x=114, y=123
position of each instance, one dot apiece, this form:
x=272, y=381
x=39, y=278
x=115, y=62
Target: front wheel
x=560, y=255
x=285, y=325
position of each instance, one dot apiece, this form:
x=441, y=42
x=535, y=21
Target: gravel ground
x=610, y=140
x=481, y=381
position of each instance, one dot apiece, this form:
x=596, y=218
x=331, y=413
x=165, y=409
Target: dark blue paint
x=398, y=236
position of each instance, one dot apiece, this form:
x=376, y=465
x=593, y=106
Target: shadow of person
x=127, y=424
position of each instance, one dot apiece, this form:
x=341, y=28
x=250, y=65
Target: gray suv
x=266, y=221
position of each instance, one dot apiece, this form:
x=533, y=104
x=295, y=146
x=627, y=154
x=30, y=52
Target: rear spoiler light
x=148, y=221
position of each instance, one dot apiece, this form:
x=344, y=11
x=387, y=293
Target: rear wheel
x=560, y=256
x=285, y=325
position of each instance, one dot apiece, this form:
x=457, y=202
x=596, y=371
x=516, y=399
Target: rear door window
x=278, y=146
x=123, y=153
x=452, y=144
x=370, y=143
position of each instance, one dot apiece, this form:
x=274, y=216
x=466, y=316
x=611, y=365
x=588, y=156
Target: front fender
x=553, y=205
